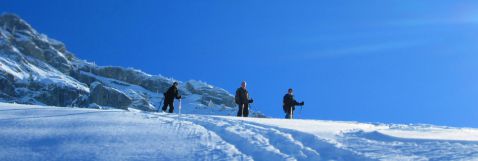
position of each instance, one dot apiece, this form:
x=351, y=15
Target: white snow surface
x=32, y=132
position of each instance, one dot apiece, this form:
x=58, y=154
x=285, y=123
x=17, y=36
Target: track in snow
x=50, y=133
x=271, y=143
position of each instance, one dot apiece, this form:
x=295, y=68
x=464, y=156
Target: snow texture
x=32, y=132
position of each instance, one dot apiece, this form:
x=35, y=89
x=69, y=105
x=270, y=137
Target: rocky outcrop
x=152, y=83
x=10, y=21
x=7, y=88
x=143, y=105
x=35, y=69
x=62, y=96
x=209, y=93
x=107, y=96
x=82, y=77
x=36, y=45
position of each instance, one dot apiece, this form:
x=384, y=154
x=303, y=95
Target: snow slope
x=31, y=132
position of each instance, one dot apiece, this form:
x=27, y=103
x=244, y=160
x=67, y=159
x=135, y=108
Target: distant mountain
x=36, y=69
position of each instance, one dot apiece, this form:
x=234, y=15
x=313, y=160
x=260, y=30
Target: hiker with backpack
x=289, y=104
x=242, y=100
x=169, y=96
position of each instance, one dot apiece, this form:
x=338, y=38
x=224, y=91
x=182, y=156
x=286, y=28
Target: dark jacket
x=289, y=103
x=172, y=93
x=242, y=96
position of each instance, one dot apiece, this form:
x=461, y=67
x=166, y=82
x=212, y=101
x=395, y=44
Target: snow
x=25, y=68
x=32, y=132
x=22, y=37
x=40, y=72
x=50, y=75
x=11, y=67
x=199, y=84
x=464, y=134
x=4, y=35
x=45, y=133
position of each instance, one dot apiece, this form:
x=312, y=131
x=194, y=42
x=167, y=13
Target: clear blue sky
x=394, y=61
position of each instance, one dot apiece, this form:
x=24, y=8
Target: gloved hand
x=302, y=103
x=251, y=100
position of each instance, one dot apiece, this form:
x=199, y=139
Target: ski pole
x=242, y=110
x=290, y=113
x=161, y=104
x=249, y=107
x=179, y=108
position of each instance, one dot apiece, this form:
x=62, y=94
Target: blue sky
x=396, y=61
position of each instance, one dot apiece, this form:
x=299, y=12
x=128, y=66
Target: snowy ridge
x=50, y=133
x=36, y=69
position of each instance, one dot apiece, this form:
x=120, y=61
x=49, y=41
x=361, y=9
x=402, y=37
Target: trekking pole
x=179, y=108
x=249, y=107
x=160, y=104
x=242, y=110
x=290, y=113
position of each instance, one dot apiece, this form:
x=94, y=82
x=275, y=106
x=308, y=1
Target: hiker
x=289, y=104
x=169, y=96
x=242, y=100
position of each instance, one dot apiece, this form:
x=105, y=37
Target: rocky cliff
x=36, y=69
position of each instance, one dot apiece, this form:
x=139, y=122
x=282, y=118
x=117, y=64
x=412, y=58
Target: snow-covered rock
x=210, y=93
x=107, y=96
x=7, y=89
x=36, y=69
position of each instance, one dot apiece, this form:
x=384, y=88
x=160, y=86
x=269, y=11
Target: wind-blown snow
x=49, y=133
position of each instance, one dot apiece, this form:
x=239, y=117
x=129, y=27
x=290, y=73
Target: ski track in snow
x=84, y=134
x=269, y=143
x=51, y=133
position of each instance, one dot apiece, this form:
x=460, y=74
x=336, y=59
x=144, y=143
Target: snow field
x=52, y=133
